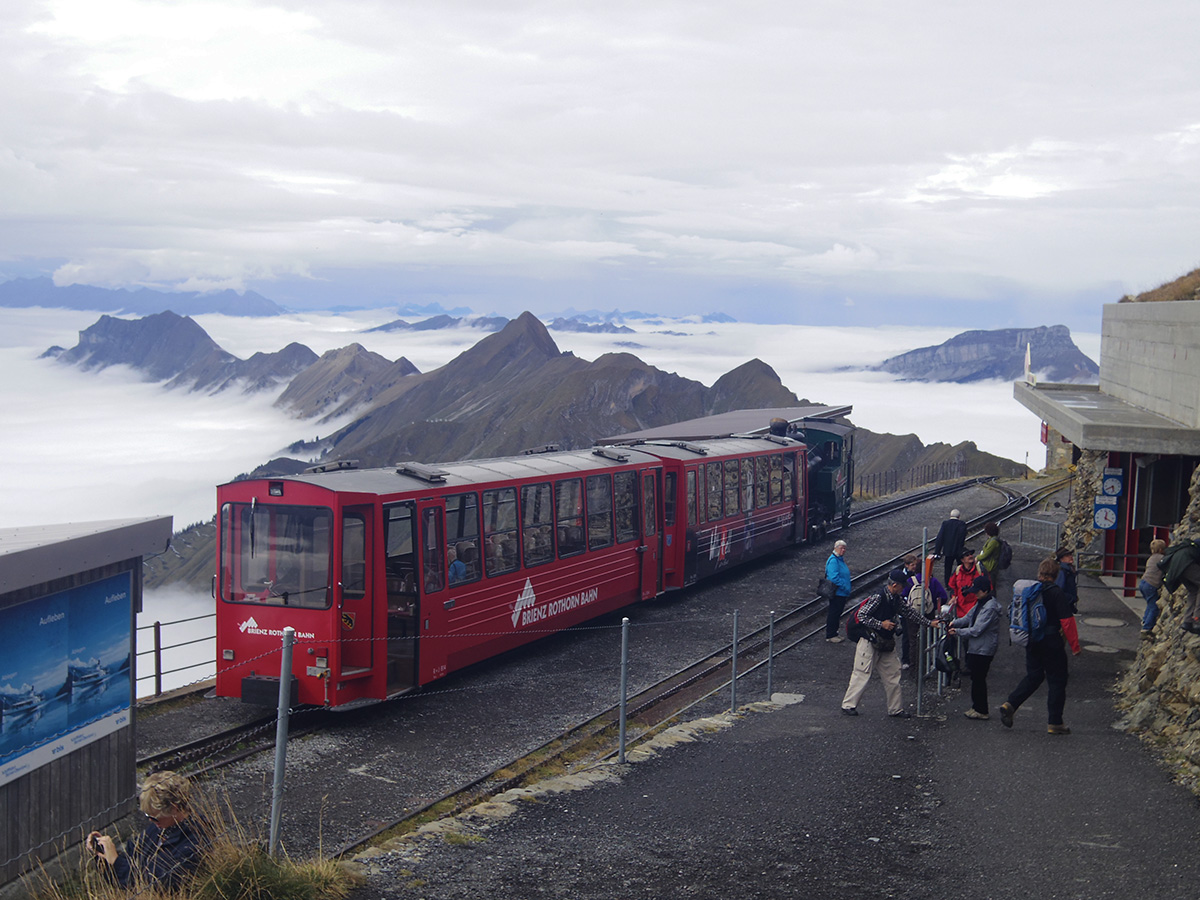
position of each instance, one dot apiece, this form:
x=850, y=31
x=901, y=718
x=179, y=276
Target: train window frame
x=600, y=530
x=464, y=543
x=354, y=581
x=626, y=507
x=746, y=464
x=732, y=485
x=230, y=555
x=670, y=500
x=714, y=504
x=537, y=524
x=762, y=476
x=433, y=559
x=501, y=525
x=690, y=485
x=570, y=542
x=789, y=477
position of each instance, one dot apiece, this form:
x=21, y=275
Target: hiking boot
x=1006, y=714
x=903, y=714
x=1147, y=635
x=849, y=711
x=1057, y=729
x=973, y=713
x=833, y=640
x=1189, y=625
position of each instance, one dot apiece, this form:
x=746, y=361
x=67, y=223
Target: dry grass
x=1186, y=287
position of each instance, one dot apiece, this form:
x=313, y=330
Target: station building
x=1140, y=425
x=69, y=596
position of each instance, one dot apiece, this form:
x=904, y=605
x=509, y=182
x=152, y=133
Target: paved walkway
x=801, y=801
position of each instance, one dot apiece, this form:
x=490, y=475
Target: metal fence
x=879, y=484
x=1040, y=533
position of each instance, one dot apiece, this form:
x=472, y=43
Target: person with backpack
x=962, y=583
x=838, y=572
x=1049, y=623
x=1181, y=567
x=988, y=559
x=981, y=628
x=873, y=625
x=914, y=576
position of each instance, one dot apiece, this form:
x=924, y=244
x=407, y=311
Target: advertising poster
x=65, y=674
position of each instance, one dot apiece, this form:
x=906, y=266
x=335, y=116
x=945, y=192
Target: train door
x=355, y=596
x=400, y=570
x=651, y=549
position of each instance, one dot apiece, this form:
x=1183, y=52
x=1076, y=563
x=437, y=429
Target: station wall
x=1150, y=357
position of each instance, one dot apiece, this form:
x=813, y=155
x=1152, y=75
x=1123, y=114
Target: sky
x=811, y=163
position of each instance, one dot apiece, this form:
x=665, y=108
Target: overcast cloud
x=800, y=162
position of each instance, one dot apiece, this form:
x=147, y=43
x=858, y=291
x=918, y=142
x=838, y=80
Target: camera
x=95, y=846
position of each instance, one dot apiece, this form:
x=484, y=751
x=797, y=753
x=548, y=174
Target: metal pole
x=281, y=734
x=770, y=655
x=158, y=659
x=624, y=685
x=733, y=681
x=921, y=636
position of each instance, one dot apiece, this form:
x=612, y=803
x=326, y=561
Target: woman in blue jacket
x=838, y=572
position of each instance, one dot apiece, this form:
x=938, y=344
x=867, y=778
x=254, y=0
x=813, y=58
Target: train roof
x=409, y=476
x=736, y=422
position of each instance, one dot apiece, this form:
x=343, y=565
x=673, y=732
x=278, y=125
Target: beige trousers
x=867, y=660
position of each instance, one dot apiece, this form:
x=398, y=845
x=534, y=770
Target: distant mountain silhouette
x=171, y=348
x=577, y=325
x=436, y=323
x=984, y=355
x=24, y=292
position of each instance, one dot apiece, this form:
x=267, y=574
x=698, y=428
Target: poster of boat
x=66, y=677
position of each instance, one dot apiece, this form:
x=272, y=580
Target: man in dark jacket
x=951, y=538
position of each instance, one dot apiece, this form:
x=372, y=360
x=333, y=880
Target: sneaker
x=973, y=713
x=1147, y=635
x=836, y=639
x=1057, y=729
x=849, y=711
x=1006, y=715
x=903, y=714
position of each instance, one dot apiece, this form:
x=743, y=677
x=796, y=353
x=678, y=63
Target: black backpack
x=1004, y=560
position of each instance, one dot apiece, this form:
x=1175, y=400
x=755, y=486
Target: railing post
x=733, y=663
x=281, y=734
x=624, y=686
x=158, y=659
x=770, y=655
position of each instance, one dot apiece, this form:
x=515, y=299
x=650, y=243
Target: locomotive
x=394, y=577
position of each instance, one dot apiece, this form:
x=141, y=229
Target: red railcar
x=394, y=577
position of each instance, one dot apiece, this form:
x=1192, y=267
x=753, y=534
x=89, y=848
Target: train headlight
x=227, y=655
x=275, y=488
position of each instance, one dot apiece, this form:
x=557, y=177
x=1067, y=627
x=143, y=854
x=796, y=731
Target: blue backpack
x=1027, y=614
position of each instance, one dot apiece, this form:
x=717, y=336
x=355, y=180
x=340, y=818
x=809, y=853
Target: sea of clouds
x=83, y=446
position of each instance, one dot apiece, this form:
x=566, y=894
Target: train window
x=354, y=556
x=713, y=476
x=731, y=487
x=568, y=514
x=462, y=538
x=649, y=510
x=537, y=523
x=500, y=531
x=625, y=494
x=762, y=476
x=776, y=485
x=669, y=499
x=431, y=550
x=692, y=507
x=279, y=555
x=747, y=484
x=789, y=476
x=599, y=511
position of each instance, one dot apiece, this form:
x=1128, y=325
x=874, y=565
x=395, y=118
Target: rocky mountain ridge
x=985, y=355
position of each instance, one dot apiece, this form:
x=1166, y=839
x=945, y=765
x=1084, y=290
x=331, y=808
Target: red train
x=395, y=577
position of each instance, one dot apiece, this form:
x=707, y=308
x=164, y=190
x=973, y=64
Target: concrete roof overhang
x=42, y=553
x=1093, y=420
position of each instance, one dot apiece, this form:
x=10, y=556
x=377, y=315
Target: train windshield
x=277, y=555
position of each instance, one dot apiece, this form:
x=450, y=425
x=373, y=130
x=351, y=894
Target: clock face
x=1112, y=486
x=1105, y=518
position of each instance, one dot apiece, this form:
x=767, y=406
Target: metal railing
x=879, y=484
x=156, y=652
x=1041, y=533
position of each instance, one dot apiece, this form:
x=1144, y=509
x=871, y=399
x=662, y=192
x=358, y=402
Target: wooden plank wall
x=55, y=806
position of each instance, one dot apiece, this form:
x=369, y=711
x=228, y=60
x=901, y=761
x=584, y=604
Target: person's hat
x=897, y=576
x=955, y=514
x=981, y=585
